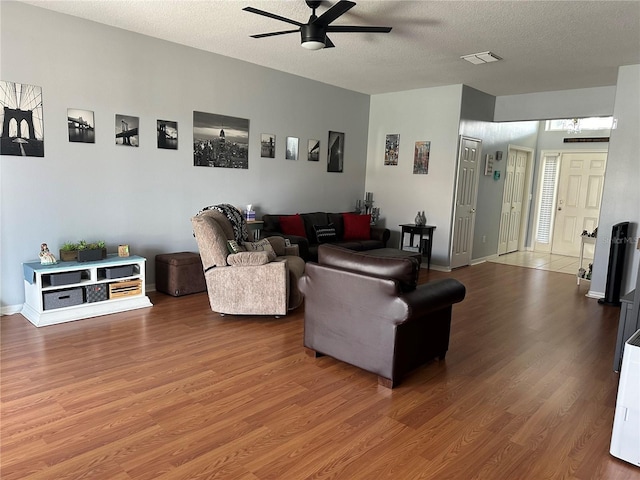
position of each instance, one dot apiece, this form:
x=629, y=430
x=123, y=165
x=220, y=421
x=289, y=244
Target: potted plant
x=88, y=252
x=69, y=252
x=82, y=251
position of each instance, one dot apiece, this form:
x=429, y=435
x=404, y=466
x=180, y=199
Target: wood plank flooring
x=177, y=392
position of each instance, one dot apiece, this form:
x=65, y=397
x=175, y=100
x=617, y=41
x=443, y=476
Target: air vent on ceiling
x=479, y=58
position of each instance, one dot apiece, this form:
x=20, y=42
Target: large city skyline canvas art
x=220, y=141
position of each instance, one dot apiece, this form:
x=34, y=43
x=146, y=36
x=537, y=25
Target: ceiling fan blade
x=340, y=8
x=271, y=15
x=328, y=43
x=273, y=34
x=355, y=28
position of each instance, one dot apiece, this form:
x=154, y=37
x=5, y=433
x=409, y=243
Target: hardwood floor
x=177, y=392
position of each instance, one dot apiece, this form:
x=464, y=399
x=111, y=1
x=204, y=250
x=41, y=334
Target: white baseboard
x=438, y=268
x=596, y=295
x=478, y=261
x=10, y=309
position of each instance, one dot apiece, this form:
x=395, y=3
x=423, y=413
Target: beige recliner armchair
x=247, y=282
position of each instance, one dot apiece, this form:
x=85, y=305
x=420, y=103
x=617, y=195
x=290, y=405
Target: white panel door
x=512, y=201
x=578, y=202
x=466, y=196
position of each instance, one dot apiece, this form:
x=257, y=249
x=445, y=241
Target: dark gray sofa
x=308, y=244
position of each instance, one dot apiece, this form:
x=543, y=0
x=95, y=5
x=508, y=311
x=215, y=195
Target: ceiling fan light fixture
x=312, y=45
x=313, y=37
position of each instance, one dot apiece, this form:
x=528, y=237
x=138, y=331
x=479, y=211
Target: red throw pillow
x=292, y=225
x=357, y=227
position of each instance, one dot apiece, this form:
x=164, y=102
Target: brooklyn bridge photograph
x=22, y=124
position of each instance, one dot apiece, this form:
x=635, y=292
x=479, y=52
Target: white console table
x=38, y=283
x=584, y=240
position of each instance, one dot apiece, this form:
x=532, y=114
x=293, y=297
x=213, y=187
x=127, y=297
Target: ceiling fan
x=314, y=32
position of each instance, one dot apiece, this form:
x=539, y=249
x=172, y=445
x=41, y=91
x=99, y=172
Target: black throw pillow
x=325, y=233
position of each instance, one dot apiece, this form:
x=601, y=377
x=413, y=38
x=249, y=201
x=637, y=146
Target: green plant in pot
x=83, y=251
x=69, y=252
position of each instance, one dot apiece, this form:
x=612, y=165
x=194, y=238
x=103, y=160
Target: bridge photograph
x=167, y=134
x=81, y=125
x=21, y=120
x=127, y=130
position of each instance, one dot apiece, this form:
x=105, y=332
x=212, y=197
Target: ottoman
x=179, y=273
x=393, y=253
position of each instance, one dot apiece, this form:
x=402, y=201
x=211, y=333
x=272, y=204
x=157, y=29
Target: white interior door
x=465, y=206
x=512, y=201
x=578, y=200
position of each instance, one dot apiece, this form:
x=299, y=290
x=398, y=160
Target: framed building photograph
x=268, y=145
x=421, y=158
x=127, y=130
x=335, y=152
x=391, y=147
x=292, y=148
x=313, y=150
x=81, y=125
x=220, y=141
x=167, y=132
x=21, y=120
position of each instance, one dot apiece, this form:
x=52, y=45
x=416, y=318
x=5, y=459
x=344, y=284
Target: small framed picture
x=167, y=134
x=81, y=125
x=488, y=164
x=268, y=145
x=391, y=147
x=127, y=130
x=421, y=158
x=335, y=152
x=313, y=150
x=292, y=148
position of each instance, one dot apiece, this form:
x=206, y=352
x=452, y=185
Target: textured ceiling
x=546, y=45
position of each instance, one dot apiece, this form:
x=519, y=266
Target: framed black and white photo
x=81, y=125
x=220, y=141
x=127, y=130
x=167, y=132
x=313, y=150
x=391, y=147
x=335, y=152
x=292, y=148
x=268, y=145
x=421, y=158
x=21, y=120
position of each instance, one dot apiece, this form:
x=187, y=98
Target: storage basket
x=62, y=298
x=119, y=272
x=96, y=293
x=125, y=288
x=64, y=278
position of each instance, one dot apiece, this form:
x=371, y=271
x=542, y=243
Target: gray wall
x=495, y=137
x=428, y=114
x=621, y=196
x=583, y=102
x=145, y=196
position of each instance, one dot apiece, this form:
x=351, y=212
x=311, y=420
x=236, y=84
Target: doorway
x=569, y=199
x=515, y=205
x=465, y=201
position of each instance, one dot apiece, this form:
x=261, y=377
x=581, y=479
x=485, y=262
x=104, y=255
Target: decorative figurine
x=46, y=257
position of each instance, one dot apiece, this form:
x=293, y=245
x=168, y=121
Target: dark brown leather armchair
x=369, y=312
